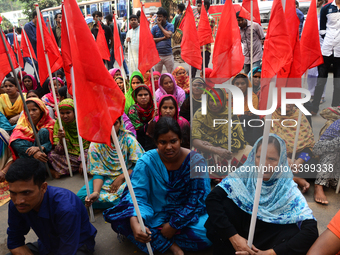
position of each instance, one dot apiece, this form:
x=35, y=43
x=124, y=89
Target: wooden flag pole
x=80, y=140
x=203, y=62
x=29, y=50
x=122, y=70
x=251, y=40
x=24, y=101
x=52, y=88
x=153, y=91
x=191, y=102
x=230, y=122
x=128, y=183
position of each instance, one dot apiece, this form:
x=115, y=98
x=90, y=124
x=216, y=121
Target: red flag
x=228, y=59
x=277, y=50
x=56, y=62
x=99, y=100
x=51, y=33
x=310, y=42
x=25, y=44
x=256, y=10
x=102, y=44
x=190, y=47
x=118, y=49
x=5, y=67
x=148, y=53
x=17, y=50
x=66, y=53
x=204, y=30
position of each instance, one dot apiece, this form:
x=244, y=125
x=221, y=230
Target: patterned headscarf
x=281, y=202
x=48, y=98
x=182, y=81
x=34, y=83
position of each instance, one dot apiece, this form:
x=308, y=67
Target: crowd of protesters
x=163, y=145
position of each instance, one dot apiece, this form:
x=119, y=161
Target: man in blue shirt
x=57, y=216
x=162, y=35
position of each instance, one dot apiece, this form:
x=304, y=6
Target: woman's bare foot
x=319, y=195
x=55, y=174
x=176, y=250
x=302, y=183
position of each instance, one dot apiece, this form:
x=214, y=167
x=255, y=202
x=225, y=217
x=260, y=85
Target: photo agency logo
x=238, y=105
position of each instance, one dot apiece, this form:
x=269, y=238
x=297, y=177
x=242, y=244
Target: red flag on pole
x=148, y=53
x=256, y=11
x=190, y=47
x=310, y=42
x=228, y=59
x=25, y=44
x=5, y=67
x=66, y=53
x=118, y=49
x=204, y=30
x=56, y=61
x=101, y=43
x=277, y=50
x=99, y=100
x=17, y=50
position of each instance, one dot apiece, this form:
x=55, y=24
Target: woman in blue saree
x=170, y=200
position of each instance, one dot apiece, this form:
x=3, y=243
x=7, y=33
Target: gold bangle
x=95, y=192
x=3, y=172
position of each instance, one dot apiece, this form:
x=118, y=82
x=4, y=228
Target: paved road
x=106, y=240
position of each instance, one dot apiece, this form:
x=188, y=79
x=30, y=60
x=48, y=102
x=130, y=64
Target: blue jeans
x=246, y=67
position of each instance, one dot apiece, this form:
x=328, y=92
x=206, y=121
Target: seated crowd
x=182, y=209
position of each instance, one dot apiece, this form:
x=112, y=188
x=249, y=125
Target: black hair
x=297, y=4
x=11, y=80
x=240, y=76
x=35, y=92
x=97, y=13
x=238, y=15
x=19, y=29
x=61, y=72
x=109, y=17
x=181, y=7
x=34, y=14
x=206, y=3
x=26, y=169
x=56, y=15
x=138, y=14
x=62, y=91
x=164, y=125
x=169, y=98
x=138, y=77
x=27, y=76
x=140, y=88
x=6, y=32
x=162, y=79
x=172, y=14
x=162, y=11
x=133, y=16
x=271, y=140
x=11, y=30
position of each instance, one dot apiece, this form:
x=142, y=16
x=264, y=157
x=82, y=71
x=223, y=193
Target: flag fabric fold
x=190, y=47
x=310, y=42
x=99, y=100
x=17, y=50
x=55, y=59
x=102, y=44
x=228, y=59
x=148, y=54
x=204, y=29
x=256, y=11
x=277, y=50
x=25, y=45
x=5, y=67
x=118, y=49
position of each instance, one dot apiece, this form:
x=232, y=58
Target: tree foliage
x=6, y=24
x=28, y=5
x=10, y=5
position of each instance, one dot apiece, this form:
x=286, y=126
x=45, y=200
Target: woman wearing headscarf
x=168, y=107
x=330, y=114
x=120, y=82
x=212, y=142
x=141, y=113
x=328, y=148
x=6, y=160
x=256, y=73
x=167, y=85
x=171, y=202
x=22, y=140
x=11, y=104
x=48, y=98
x=57, y=156
x=287, y=131
x=115, y=72
x=251, y=133
x=182, y=78
x=156, y=76
x=285, y=224
x=136, y=79
x=147, y=77
x=108, y=182
x=30, y=83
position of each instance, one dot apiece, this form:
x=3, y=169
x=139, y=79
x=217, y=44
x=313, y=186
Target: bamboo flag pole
x=24, y=101
x=203, y=62
x=153, y=90
x=251, y=39
x=52, y=87
x=80, y=140
x=29, y=50
x=191, y=102
x=128, y=183
x=230, y=122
